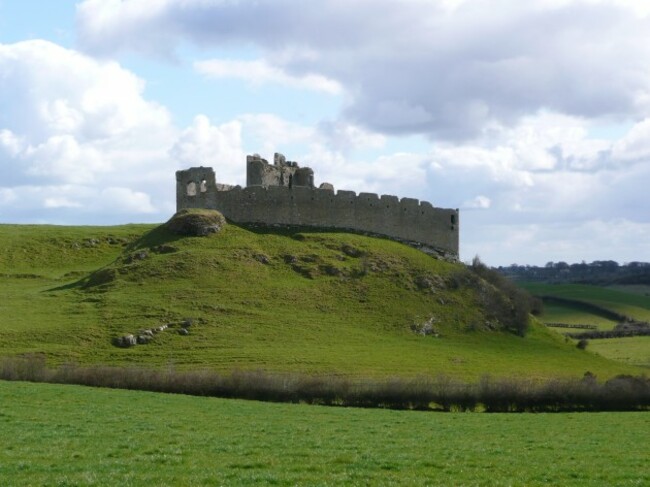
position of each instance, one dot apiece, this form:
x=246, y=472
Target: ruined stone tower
x=283, y=193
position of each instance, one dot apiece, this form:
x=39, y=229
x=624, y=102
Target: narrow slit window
x=204, y=186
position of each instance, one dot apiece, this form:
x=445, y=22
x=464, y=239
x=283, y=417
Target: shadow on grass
x=158, y=239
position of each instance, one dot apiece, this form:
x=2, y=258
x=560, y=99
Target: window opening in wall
x=453, y=219
x=204, y=186
x=191, y=188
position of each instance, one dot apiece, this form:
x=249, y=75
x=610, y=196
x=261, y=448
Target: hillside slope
x=298, y=300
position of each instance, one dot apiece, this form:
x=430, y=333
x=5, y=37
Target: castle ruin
x=283, y=193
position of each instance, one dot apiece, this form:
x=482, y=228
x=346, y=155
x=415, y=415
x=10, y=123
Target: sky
x=532, y=118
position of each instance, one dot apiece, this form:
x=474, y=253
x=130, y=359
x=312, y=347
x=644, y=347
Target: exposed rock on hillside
x=197, y=223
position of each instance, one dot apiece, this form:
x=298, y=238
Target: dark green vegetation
x=621, y=393
x=50, y=437
x=599, y=272
x=277, y=300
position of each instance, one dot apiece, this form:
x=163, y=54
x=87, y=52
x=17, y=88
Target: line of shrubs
x=589, y=307
x=572, y=325
x=501, y=299
x=622, y=393
x=631, y=332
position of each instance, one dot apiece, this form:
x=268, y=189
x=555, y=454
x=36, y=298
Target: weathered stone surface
x=284, y=194
x=125, y=341
x=136, y=256
x=143, y=339
x=327, y=186
x=426, y=328
x=196, y=223
x=183, y=331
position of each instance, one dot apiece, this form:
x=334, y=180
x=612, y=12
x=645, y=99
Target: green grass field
x=311, y=302
x=71, y=435
x=629, y=350
x=557, y=313
x=631, y=303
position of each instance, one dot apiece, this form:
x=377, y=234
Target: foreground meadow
x=71, y=435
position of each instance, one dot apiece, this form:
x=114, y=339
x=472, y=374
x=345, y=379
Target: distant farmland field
x=630, y=303
x=71, y=435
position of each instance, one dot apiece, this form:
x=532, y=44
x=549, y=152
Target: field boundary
x=441, y=393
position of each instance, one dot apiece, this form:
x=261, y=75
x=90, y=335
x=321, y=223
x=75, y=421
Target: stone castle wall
x=408, y=220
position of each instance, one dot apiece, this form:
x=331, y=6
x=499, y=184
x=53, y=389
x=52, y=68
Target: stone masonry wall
x=406, y=220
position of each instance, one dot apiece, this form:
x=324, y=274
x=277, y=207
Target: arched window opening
x=204, y=186
x=191, y=188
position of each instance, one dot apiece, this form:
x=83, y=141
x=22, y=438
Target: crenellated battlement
x=418, y=223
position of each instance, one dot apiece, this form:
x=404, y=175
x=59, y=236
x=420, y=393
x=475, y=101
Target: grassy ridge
x=50, y=438
x=313, y=302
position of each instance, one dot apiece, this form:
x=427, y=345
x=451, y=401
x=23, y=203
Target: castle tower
x=193, y=187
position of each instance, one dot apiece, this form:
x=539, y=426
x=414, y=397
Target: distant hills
x=599, y=272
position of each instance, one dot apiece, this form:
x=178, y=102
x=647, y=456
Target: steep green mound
x=260, y=298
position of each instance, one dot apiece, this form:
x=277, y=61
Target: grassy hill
x=278, y=300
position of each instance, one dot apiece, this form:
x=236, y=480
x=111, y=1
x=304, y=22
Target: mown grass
x=69, y=435
x=277, y=300
x=632, y=301
x=558, y=313
x=630, y=350
x=632, y=304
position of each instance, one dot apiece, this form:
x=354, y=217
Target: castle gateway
x=283, y=193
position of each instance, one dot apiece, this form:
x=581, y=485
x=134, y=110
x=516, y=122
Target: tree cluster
x=598, y=272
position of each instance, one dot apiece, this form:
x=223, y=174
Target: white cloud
x=60, y=202
x=448, y=69
x=259, y=72
x=71, y=127
x=590, y=240
x=269, y=133
x=635, y=144
x=204, y=144
x=84, y=204
x=127, y=200
x=346, y=137
x=479, y=202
